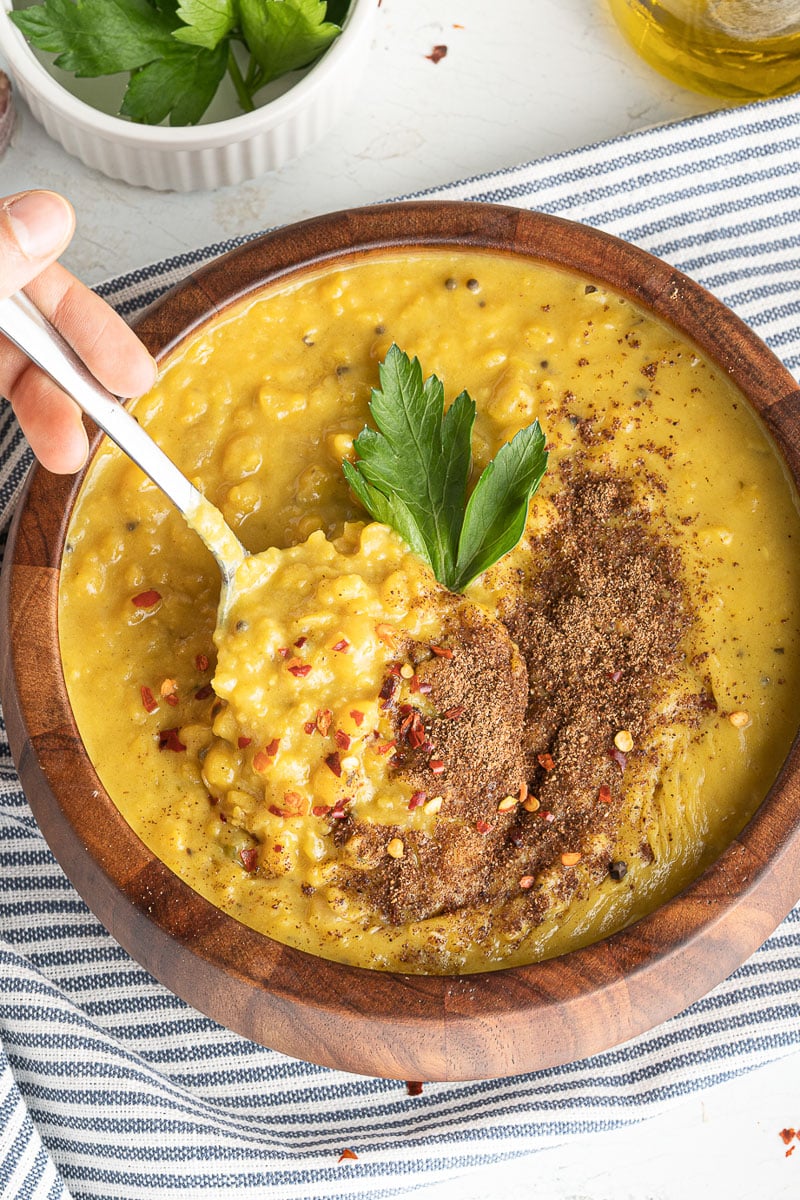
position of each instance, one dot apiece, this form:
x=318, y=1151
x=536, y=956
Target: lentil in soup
x=369, y=767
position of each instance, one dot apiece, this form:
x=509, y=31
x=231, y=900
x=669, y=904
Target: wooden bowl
x=402, y=1026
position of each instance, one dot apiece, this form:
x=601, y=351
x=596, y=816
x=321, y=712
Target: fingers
x=34, y=228
x=97, y=333
x=50, y=421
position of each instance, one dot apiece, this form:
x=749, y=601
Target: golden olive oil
x=735, y=49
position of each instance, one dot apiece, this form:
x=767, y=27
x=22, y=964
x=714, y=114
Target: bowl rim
x=490, y=1024
x=58, y=99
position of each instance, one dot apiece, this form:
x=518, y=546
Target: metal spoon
x=23, y=323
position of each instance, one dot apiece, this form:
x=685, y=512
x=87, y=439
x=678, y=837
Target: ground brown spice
x=540, y=697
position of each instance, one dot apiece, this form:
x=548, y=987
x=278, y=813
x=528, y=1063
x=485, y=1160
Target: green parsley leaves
x=178, y=51
x=411, y=473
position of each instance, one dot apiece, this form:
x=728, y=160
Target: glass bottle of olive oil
x=736, y=49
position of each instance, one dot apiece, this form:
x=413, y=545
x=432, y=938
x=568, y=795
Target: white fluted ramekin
x=196, y=157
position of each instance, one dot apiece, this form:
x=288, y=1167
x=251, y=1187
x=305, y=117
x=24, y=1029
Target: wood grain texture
x=406, y=1027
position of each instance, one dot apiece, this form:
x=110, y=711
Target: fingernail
x=41, y=222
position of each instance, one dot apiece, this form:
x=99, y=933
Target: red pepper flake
x=284, y=652
x=437, y=54
x=338, y=810
x=249, y=857
x=614, y=676
x=384, y=747
x=425, y=687
x=297, y=668
x=301, y=641
x=619, y=758
x=277, y=812
x=416, y=734
x=417, y=799
x=333, y=763
x=202, y=693
x=547, y=816
x=412, y=728
x=413, y=683
x=437, y=766
x=323, y=720
x=482, y=826
x=545, y=761
x=604, y=794
x=389, y=690
x=348, y=1153
x=341, y=645
x=343, y=740
x=453, y=714
x=386, y=634
x=172, y=700
x=278, y=848
x=294, y=805
x=147, y=599
x=242, y=742
x=321, y=810
x=442, y=651
x=201, y=662
x=413, y=1087
x=357, y=716
x=168, y=740
x=526, y=882
x=263, y=758
x=787, y=1135
x=149, y=700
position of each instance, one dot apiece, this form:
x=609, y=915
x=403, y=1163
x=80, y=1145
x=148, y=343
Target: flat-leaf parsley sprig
x=178, y=51
x=412, y=471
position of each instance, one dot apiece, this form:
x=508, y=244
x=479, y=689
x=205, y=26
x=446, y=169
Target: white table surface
x=522, y=79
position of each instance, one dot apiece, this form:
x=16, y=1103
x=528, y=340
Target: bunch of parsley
x=178, y=51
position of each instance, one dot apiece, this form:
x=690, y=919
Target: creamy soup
x=368, y=767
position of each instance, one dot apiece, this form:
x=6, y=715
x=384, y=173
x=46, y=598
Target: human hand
x=35, y=227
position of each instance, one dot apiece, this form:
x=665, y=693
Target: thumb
x=34, y=229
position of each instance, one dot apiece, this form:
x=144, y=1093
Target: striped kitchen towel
x=113, y=1088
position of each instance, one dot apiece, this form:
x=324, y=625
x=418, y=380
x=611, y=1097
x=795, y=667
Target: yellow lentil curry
x=376, y=770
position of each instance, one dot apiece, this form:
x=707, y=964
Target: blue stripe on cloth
x=112, y=1087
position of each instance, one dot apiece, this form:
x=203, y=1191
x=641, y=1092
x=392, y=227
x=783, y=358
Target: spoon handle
x=23, y=323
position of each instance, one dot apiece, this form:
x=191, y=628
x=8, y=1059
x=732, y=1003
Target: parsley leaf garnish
x=178, y=51
x=96, y=37
x=179, y=85
x=283, y=37
x=412, y=471
x=206, y=22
